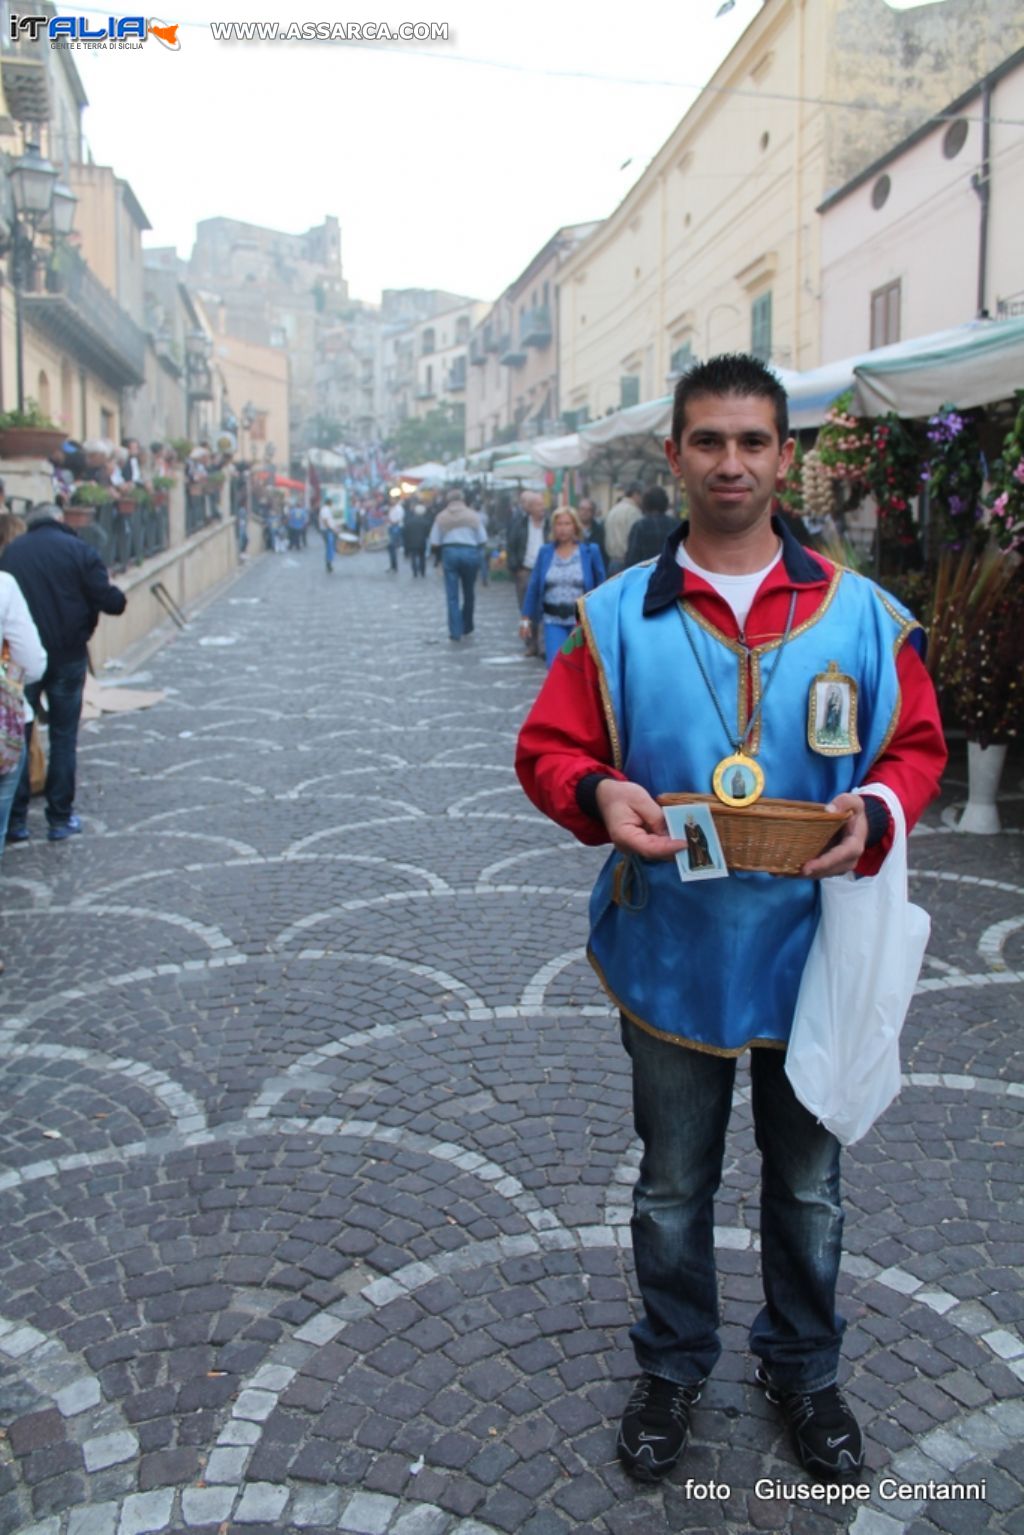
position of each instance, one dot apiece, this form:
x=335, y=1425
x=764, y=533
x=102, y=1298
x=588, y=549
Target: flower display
x=1006, y=496
x=879, y=457
x=954, y=471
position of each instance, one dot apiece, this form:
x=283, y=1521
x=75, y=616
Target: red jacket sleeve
x=913, y=762
x=564, y=738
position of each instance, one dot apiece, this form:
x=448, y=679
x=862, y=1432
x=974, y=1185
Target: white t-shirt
x=18, y=628
x=534, y=539
x=738, y=591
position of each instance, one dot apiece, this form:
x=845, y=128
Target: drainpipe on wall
x=981, y=181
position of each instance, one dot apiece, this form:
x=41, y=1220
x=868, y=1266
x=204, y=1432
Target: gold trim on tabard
x=827, y=735
x=602, y=680
x=757, y=1043
x=722, y=780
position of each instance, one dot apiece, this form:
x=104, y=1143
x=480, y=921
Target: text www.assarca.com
x=330, y=31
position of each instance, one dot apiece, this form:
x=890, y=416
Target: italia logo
x=79, y=29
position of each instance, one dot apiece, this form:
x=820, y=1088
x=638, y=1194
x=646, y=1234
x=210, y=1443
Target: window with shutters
x=885, y=315
x=761, y=326
x=629, y=390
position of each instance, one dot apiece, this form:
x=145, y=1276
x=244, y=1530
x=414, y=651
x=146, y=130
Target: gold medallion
x=738, y=780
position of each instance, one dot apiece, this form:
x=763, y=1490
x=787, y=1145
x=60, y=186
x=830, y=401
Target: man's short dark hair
x=655, y=500
x=634, y=488
x=730, y=373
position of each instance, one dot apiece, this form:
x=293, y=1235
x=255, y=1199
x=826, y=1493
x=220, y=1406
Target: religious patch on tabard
x=832, y=713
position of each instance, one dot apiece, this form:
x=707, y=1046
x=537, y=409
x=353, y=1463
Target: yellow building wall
x=256, y=375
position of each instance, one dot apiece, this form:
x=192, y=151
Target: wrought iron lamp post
x=38, y=197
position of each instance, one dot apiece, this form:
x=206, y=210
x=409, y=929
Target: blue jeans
x=63, y=685
x=394, y=544
x=681, y=1103
x=328, y=538
x=555, y=636
x=461, y=563
x=8, y=787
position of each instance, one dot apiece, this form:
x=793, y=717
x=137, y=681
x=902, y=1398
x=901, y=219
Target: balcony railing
x=509, y=354
x=77, y=312
x=535, y=327
x=126, y=540
x=477, y=350
x=456, y=379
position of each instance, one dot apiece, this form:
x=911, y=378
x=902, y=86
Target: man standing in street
x=617, y=525
x=525, y=537
x=592, y=526
x=458, y=535
x=718, y=648
x=66, y=586
x=652, y=527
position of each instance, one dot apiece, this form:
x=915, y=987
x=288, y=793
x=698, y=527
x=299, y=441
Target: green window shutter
x=629, y=390
x=761, y=326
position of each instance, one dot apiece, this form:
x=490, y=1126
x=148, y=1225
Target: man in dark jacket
x=648, y=534
x=66, y=586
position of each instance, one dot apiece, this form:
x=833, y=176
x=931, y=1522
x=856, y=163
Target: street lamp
x=37, y=195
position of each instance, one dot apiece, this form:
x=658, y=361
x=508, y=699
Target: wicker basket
x=772, y=836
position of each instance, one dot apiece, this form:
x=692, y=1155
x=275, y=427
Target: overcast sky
x=444, y=170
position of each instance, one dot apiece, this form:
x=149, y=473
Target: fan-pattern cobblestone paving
x=316, y=1146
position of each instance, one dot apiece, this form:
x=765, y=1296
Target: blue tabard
x=717, y=963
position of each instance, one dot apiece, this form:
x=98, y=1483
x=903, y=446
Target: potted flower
x=28, y=433
x=129, y=498
x=163, y=484
x=181, y=448
x=86, y=500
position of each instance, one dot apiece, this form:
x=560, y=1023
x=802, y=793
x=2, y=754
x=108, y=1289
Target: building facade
x=513, y=388
x=717, y=246
x=955, y=186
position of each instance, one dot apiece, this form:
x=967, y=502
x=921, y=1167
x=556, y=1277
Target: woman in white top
x=20, y=636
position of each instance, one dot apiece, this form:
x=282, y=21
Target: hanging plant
x=790, y=494
x=877, y=457
x=954, y=471
x=1005, y=501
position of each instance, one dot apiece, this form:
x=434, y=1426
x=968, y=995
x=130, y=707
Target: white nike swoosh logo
x=651, y=1438
x=835, y=1443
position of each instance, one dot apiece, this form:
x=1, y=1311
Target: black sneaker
x=826, y=1436
x=655, y=1426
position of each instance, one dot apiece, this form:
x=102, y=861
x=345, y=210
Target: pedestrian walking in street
x=592, y=528
x=457, y=536
x=566, y=568
x=643, y=703
x=66, y=586
x=648, y=534
x=415, y=533
x=396, y=517
x=22, y=661
x=526, y=533
x=329, y=533
x=617, y=526
x=297, y=519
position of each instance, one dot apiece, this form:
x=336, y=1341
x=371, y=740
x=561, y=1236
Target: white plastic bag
x=843, y=1058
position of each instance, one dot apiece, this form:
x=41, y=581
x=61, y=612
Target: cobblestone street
x=317, y=1144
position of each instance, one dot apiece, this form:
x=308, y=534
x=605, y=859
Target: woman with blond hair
x=565, y=569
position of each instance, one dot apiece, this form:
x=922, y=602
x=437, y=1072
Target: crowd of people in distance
x=556, y=558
